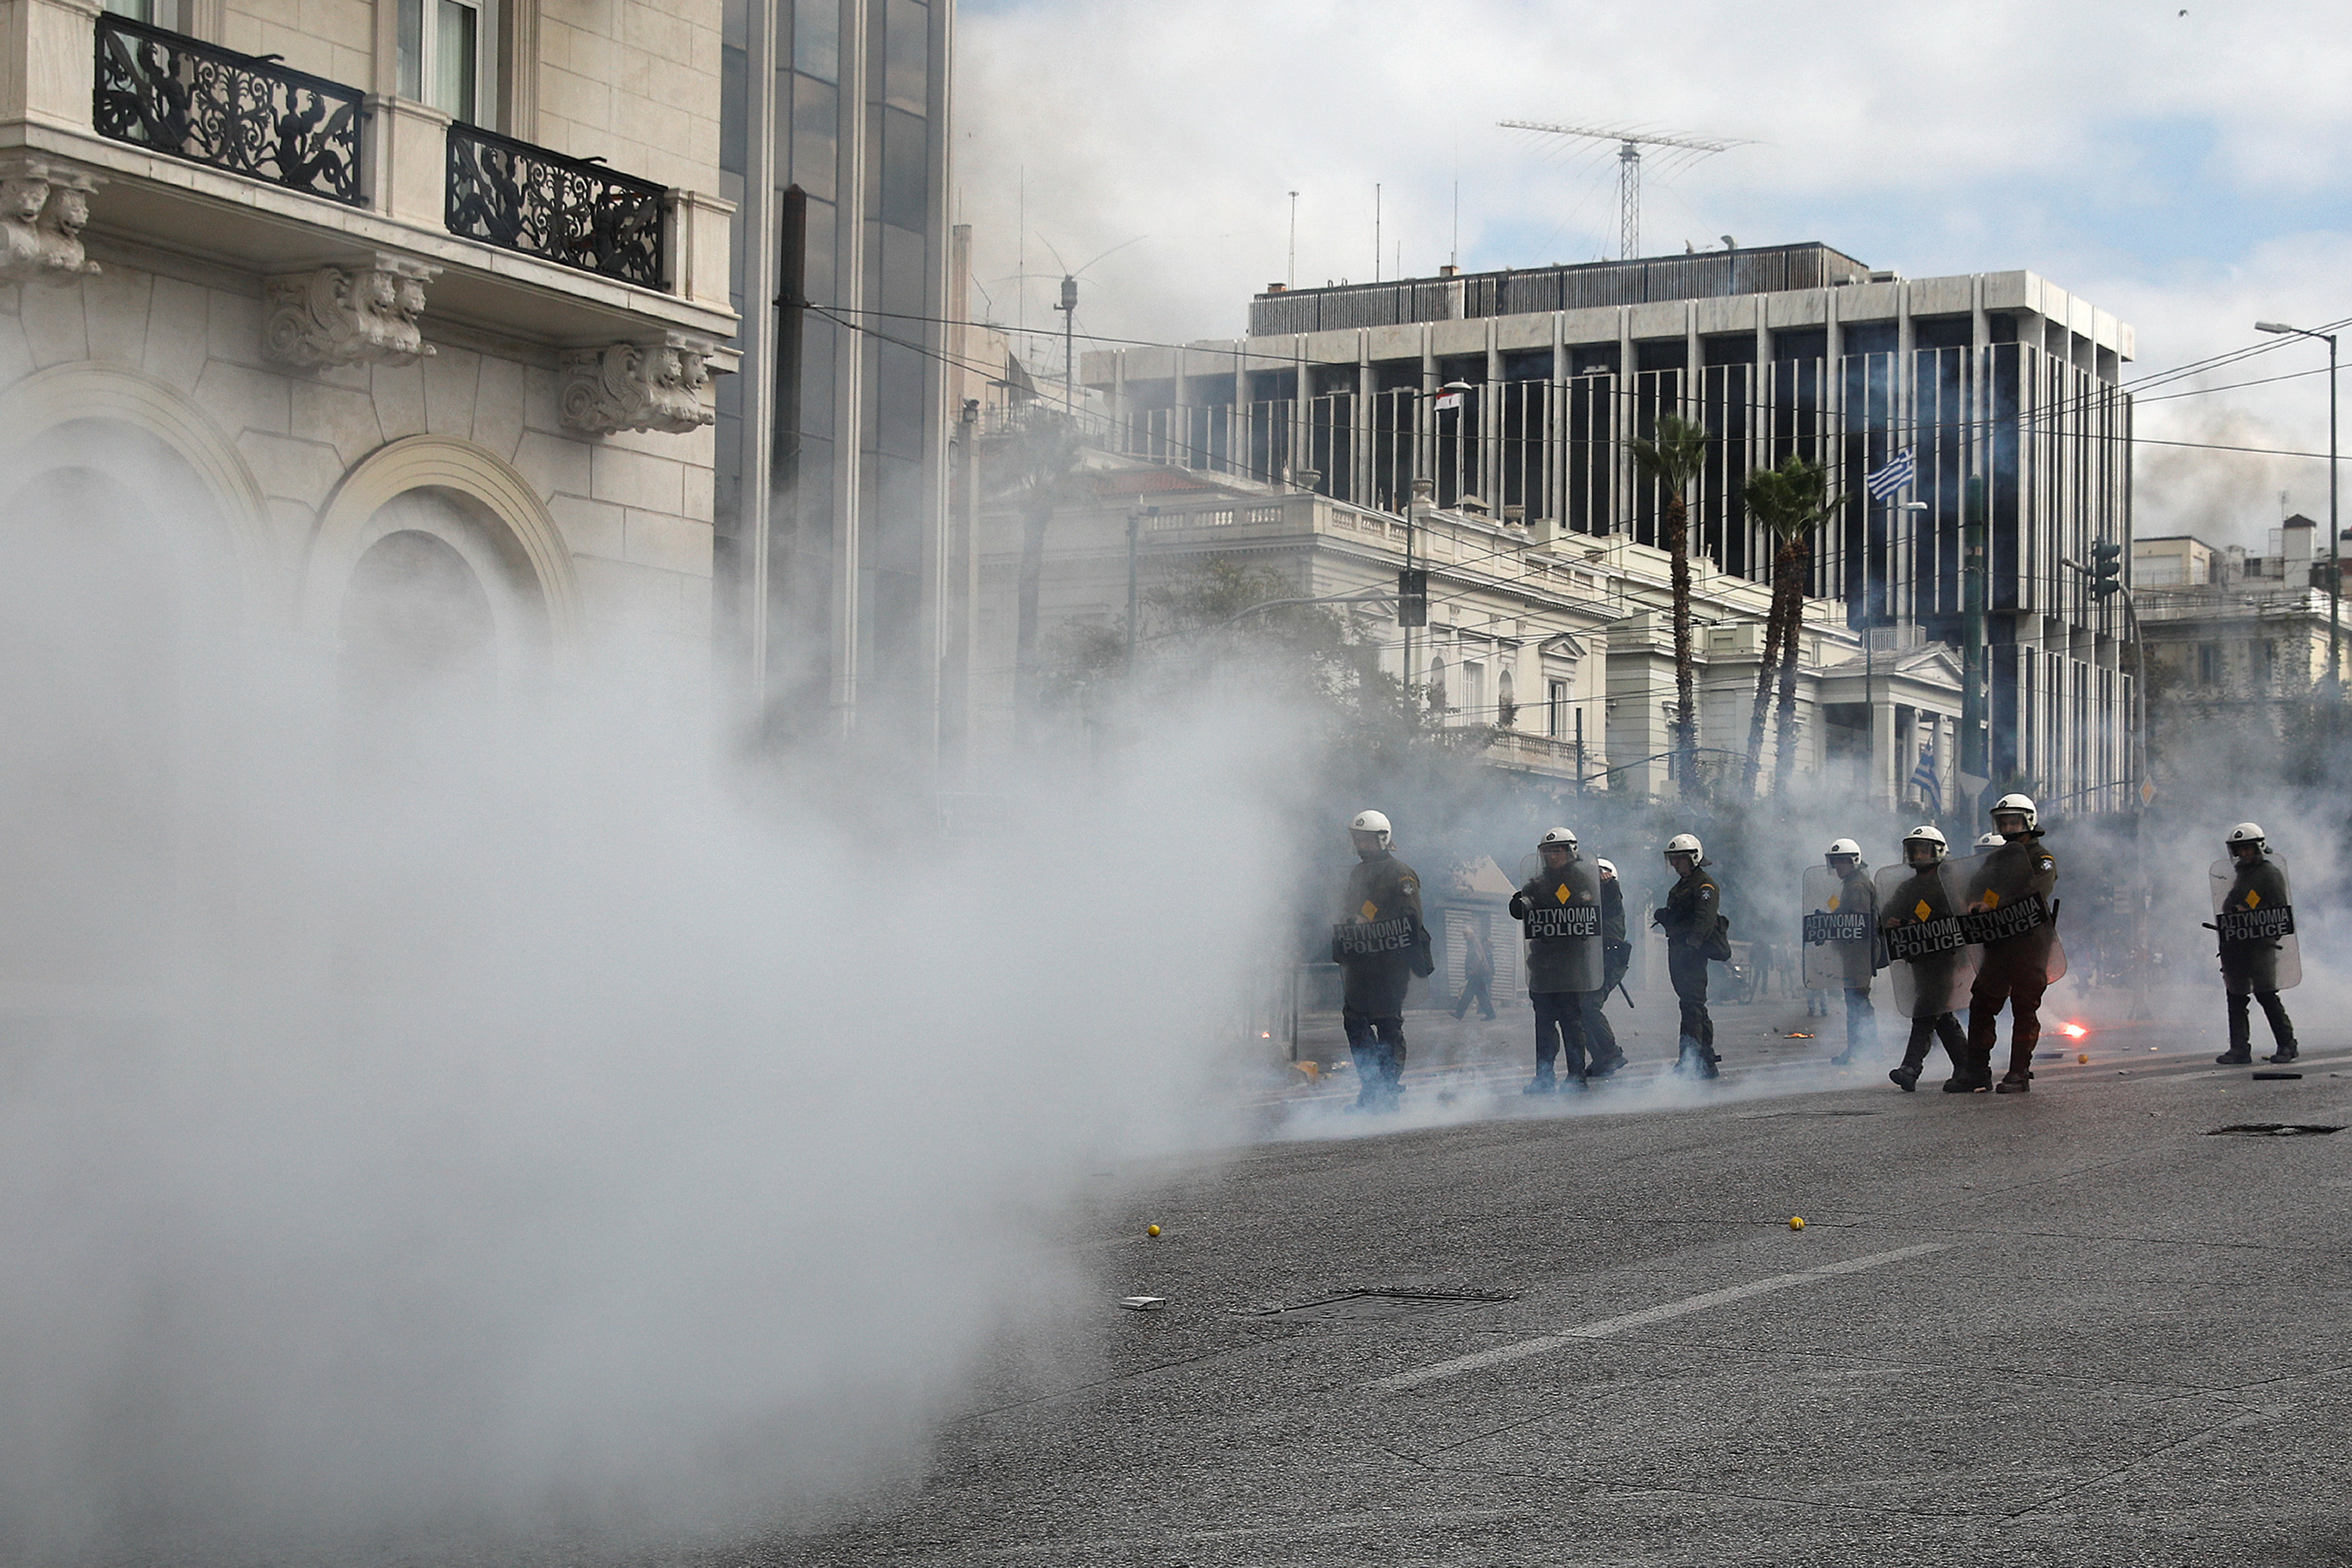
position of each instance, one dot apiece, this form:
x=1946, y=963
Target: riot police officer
x=1922, y=898
x=1692, y=920
x=1616, y=957
x=1382, y=943
x=1560, y=908
x=1857, y=960
x=2010, y=905
x=2255, y=920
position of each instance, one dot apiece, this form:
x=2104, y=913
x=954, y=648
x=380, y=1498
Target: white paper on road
x=1647, y=1315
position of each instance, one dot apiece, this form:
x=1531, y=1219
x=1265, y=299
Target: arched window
x=1507, y=701
x=1437, y=685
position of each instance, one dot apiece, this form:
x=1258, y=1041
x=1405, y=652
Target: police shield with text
x=2254, y=915
x=1560, y=908
x=2011, y=914
x=1841, y=940
x=1930, y=961
x=1380, y=942
x=1696, y=934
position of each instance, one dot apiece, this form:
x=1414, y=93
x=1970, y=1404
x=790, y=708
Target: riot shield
x=2253, y=911
x=1563, y=928
x=2010, y=910
x=1837, y=937
x=1931, y=962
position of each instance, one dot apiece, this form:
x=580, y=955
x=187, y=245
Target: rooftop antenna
x=1293, y=275
x=1629, y=163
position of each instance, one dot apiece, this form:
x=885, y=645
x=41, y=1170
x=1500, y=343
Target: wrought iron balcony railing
x=524, y=198
x=185, y=98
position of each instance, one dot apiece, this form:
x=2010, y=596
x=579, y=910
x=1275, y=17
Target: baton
x=1624, y=993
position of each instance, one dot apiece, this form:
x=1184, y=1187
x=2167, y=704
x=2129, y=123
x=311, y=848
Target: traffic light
x=2106, y=569
x=1413, y=597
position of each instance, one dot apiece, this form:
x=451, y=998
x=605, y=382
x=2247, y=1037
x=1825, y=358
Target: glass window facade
x=851, y=115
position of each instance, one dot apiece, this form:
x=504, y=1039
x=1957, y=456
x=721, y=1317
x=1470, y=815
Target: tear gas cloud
x=480, y=1124
x=433, y=1122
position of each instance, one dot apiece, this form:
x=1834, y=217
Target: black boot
x=1543, y=1082
x=1914, y=1056
x=1972, y=1074
x=2016, y=1081
x=2281, y=1027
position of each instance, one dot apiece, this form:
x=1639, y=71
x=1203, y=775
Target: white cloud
x=2175, y=169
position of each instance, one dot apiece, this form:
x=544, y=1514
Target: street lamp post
x=2334, y=523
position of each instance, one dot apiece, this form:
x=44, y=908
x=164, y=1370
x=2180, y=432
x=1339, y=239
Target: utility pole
x=1290, y=277
x=785, y=427
x=1135, y=515
x=2335, y=522
x=1070, y=310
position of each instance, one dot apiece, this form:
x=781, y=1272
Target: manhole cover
x=2271, y=1129
x=1360, y=1306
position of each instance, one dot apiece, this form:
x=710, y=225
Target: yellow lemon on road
x=1796, y=1222
x=1152, y=1230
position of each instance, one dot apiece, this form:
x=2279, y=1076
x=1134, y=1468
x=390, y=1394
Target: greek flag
x=1923, y=778
x=1900, y=470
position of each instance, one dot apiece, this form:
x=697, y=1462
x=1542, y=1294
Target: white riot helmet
x=2021, y=805
x=1607, y=867
x=1844, y=847
x=1563, y=837
x=1926, y=834
x=1685, y=844
x=2247, y=833
x=1989, y=840
x=1370, y=823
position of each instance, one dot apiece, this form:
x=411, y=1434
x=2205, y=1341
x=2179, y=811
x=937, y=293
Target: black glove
x=1519, y=906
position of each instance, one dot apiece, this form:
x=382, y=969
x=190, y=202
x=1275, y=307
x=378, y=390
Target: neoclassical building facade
x=349, y=349
x=422, y=300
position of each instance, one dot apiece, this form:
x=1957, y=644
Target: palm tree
x=1674, y=458
x=1791, y=502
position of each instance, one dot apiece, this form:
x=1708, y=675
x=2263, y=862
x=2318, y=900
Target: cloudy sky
x=2188, y=169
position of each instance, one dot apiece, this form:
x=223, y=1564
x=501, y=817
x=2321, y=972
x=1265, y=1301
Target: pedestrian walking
x=1477, y=970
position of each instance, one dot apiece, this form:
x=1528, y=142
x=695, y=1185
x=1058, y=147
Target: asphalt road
x=2070, y=1327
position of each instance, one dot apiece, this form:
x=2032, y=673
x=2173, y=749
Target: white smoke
x=525, y=1122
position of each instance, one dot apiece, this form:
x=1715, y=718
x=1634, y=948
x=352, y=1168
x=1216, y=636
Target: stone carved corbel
x=43, y=207
x=636, y=386
x=347, y=316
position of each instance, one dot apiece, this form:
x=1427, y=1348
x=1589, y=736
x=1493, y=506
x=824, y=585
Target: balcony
x=186, y=147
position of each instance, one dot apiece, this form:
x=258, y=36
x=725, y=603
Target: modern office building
x=832, y=478
x=1998, y=378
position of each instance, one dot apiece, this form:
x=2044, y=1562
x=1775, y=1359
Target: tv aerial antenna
x=1629, y=163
